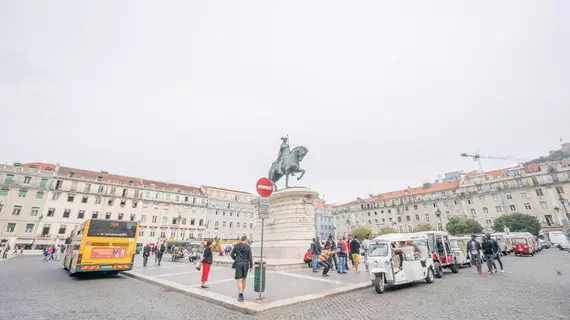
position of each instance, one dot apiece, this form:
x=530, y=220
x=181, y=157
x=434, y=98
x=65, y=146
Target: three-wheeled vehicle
x=459, y=248
x=523, y=245
x=441, y=252
x=399, y=258
x=502, y=241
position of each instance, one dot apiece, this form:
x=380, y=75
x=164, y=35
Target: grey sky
x=385, y=94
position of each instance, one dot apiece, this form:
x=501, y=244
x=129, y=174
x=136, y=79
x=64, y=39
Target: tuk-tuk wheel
x=429, y=277
x=454, y=268
x=379, y=283
x=438, y=269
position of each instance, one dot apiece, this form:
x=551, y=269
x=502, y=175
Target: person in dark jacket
x=207, y=259
x=160, y=252
x=243, y=261
x=332, y=257
x=489, y=250
x=146, y=254
x=354, y=252
x=316, y=252
x=497, y=255
x=473, y=250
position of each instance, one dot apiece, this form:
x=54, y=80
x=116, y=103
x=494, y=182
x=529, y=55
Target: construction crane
x=477, y=158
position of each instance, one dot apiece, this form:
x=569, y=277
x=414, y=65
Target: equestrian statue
x=287, y=163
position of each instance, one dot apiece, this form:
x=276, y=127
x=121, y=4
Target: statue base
x=290, y=228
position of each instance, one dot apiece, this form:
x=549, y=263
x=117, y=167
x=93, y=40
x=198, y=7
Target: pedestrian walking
x=315, y=251
x=497, y=255
x=473, y=250
x=347, y=252
x=489, y=251
x=364, y=254
x=355, y=252
x=146, y=254
x=243, y=264
x=324, y=261
x=207, y=260
x=341, y=251
x=160, y=252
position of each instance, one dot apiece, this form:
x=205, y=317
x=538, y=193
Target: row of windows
x=482, y=198
x=231, y=224
x=182, y=235
x=231, y=214
x=11, y=227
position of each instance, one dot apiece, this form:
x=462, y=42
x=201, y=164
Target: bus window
x=114, y=229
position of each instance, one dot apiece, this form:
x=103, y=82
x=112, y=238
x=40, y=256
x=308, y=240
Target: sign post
x=264, y=188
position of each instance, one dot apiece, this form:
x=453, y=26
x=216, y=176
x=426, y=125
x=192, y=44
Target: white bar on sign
x=264, y=187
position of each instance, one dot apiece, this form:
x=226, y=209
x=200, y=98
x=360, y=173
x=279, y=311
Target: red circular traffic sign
x=264, y=187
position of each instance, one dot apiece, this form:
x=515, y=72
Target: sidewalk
x=283, y=288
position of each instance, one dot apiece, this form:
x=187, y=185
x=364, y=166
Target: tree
x=517, y=222
x=386, y=230
x=360, y=233
x=423, y=227
x=463, y=226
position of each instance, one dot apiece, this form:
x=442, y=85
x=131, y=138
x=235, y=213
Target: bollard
x=256, y=277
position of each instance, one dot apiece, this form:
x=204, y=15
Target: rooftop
x=108, y=177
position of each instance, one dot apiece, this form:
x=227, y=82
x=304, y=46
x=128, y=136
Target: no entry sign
x=264, y=187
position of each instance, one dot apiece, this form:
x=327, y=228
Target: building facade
x=40, y=204
x=324, y=225
x=540, y=190
x=229, y=213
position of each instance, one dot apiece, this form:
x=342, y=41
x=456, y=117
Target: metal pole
x=261, y=261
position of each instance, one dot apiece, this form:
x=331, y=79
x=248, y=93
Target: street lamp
x=178, y=220
x=438, y=215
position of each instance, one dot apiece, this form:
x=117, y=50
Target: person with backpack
x=159, y=252
x=490, y=251
x=146, y=254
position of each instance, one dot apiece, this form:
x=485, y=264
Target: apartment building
x=23, y=194
x=41, y=204
x=324, y=225
x=539, y=190
x=230, y=213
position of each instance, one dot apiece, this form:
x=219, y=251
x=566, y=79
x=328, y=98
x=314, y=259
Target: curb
x=249, y=308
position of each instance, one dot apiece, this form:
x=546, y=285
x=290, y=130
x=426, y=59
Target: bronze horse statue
x=287, y=166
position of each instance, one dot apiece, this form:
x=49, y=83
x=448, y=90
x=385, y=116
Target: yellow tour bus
x=101, y=246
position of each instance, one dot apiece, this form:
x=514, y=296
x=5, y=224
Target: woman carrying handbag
x=206, y=262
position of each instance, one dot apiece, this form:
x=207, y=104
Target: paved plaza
x=530, y=288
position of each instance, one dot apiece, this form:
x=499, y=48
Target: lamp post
x=438, y=215
x=178, y=220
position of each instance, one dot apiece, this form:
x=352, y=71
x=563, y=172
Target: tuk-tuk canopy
x=395, y=237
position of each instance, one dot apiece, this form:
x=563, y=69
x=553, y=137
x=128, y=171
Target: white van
x=559, y=240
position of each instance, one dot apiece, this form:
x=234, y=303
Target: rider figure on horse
x=283, y=153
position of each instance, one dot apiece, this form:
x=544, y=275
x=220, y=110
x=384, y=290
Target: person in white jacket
x=365, y=245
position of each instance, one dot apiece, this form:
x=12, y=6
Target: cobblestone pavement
x=529, y=289
x=34, y=289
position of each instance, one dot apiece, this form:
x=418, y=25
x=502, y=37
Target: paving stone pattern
x=529, y=289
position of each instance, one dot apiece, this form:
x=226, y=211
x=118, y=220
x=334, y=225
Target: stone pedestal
x=290, y=228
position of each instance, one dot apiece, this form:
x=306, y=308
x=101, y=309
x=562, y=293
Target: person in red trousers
x=207, y=259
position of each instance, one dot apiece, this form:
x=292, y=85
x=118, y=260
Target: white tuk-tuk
x=399, y=258
x=459, y=248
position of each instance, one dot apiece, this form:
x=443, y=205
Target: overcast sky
x=384, y=94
